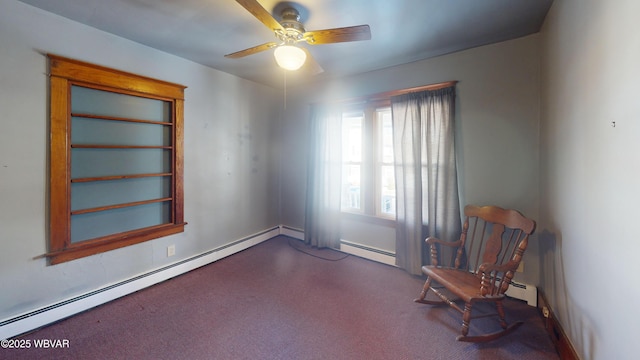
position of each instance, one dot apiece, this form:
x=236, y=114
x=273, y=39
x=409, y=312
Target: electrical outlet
x=520, y=267
x=171, y=250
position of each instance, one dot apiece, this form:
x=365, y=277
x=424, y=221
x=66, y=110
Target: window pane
x=105, y=103
x=386, y=181
x=352, y=130
x=352, y=137
x=351, y=187
x=386, y=134
x=388, y=191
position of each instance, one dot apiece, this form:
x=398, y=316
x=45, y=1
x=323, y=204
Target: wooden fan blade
x=328, y=36
x=261, y=14
x=250, y=51
x=311, y=66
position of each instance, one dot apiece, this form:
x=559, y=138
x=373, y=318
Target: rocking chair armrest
x=433, y=250
x=433, y=240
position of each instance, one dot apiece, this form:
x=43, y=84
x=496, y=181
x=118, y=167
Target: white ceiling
x=402, y=31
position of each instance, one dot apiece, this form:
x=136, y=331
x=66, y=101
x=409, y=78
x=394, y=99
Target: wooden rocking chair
x=484, y=261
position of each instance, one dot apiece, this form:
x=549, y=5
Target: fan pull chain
x=285, y=89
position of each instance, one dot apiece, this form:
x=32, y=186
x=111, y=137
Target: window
x=352, y=133
x=116, y=159
x=386, y=184
x=368, y=184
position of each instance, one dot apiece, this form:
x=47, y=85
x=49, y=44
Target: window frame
x=380, y=100
x=370, y=174
x=65, y=73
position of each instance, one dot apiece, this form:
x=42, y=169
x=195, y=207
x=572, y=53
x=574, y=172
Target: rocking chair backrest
x=492, y=235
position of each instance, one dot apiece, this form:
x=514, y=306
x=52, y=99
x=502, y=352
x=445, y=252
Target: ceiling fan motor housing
x=293, y=28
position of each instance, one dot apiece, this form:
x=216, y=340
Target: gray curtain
x=426, y=177
x=322, y=209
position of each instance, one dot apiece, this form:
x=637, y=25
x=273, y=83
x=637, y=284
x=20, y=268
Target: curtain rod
x=388, y=94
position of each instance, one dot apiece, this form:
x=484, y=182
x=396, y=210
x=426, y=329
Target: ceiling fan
x=290, y=31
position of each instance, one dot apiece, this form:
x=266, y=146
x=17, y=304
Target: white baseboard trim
x=292, y=232
x=37, y=318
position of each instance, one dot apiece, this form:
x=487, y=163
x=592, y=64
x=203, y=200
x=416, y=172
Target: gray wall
x=231, y=169
x=497, y=117
x=589, y=178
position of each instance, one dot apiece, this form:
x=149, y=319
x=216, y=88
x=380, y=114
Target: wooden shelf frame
x=65, y=73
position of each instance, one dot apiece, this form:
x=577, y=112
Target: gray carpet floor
x=274, y=301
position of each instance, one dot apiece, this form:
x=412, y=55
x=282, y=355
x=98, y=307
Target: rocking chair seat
x=461, y=283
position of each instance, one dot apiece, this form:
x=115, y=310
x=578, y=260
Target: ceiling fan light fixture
x=290, y=57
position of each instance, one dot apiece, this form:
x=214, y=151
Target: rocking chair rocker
x=487, y=255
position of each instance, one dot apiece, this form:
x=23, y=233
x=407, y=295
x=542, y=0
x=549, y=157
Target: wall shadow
x=575, y=323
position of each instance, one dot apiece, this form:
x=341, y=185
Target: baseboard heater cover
x=528, y=293
x=38, y=318
x=368, y=252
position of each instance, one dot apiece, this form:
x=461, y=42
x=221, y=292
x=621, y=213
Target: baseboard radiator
x=528, y=293
x=368, y=252
x=38, y=318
